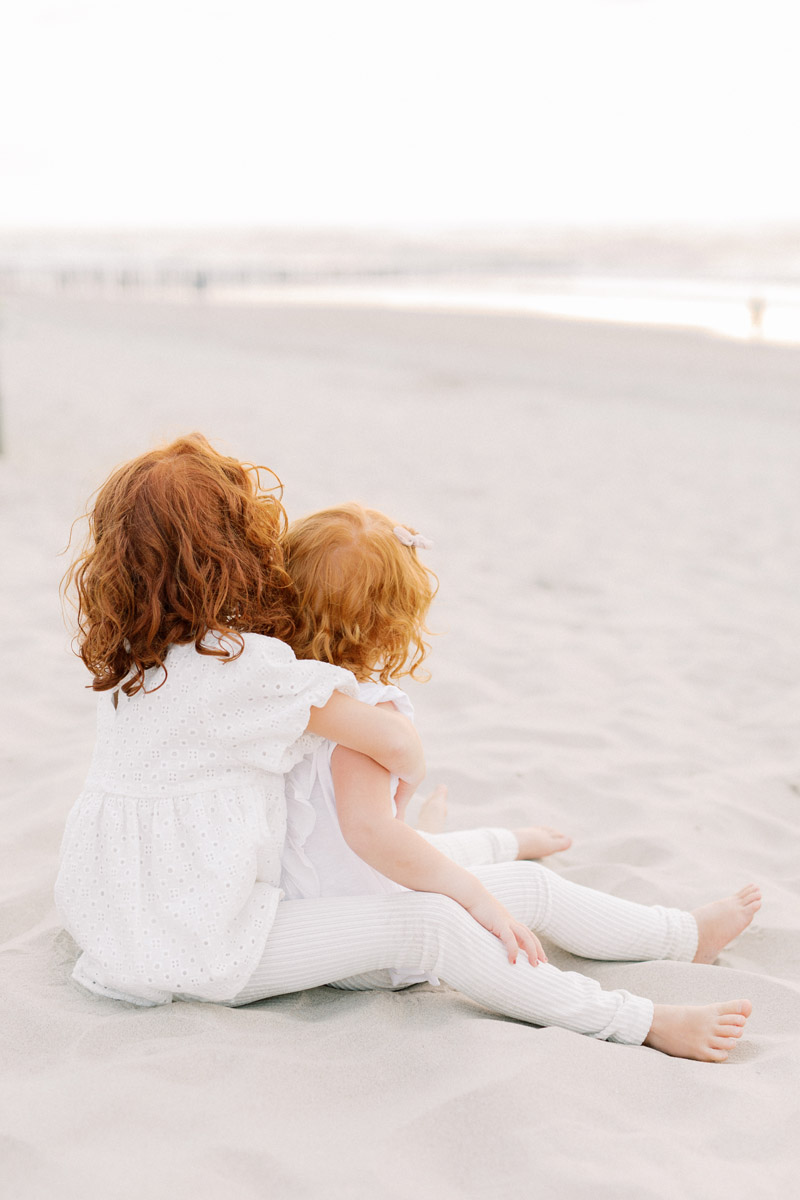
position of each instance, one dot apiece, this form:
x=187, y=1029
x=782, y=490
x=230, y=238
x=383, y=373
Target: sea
x=741, y=283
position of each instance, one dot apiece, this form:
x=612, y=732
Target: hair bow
x=412, y=539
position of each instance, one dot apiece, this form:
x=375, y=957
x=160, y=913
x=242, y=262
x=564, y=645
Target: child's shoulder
x=274, y=664
x=258, y=645
x=253, y=655
x=247, y=654
x=257, y=648
x=259, y=668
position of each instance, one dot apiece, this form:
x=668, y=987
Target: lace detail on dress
x=171, y=857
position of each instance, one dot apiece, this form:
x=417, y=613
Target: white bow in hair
x=412, y=539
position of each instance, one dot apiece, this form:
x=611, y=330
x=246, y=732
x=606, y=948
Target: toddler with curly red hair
x=360, y=601
x=360, y=598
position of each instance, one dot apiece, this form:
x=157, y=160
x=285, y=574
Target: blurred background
x=627, y=160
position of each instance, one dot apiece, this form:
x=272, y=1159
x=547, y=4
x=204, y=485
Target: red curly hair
x=360, y=596
x=182, y=540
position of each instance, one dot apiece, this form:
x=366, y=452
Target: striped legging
x=354, y=941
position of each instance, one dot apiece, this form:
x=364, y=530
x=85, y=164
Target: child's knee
x=440, y=917
x=440, y=909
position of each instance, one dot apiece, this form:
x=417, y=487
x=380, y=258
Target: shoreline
x=740, y=315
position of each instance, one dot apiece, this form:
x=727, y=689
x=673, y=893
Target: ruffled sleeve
x=266, y=699
x=372, y=692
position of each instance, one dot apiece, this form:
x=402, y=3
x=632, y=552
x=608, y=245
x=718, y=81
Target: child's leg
x=475, y=847
x=596, y=925
x=478, y=847
x=586, y=922
x=314, y=942
x=472, y=847
x=599, y=926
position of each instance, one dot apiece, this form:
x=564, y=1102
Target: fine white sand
x=616, y=521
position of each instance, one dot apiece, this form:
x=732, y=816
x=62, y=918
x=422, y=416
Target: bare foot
x=433, y=813
x=540, y=840
x=722, y=921
x=705, y=1032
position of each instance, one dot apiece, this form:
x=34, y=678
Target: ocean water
x=741, y=284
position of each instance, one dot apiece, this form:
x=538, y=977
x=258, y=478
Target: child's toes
x=731, y=1028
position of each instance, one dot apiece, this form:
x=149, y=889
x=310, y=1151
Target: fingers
x=403, y=794
x=517, y=937
x=510, y=942
x=514, y=935
x=401, y=806
x=531, y=945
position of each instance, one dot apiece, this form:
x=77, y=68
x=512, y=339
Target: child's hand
x=515, y=936
x=401, y=798
x=433, y=813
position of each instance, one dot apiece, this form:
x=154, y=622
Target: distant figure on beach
x=171, y=863
x=756, y=306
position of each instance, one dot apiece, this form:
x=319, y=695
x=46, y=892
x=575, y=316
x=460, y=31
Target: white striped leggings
x=354, y=940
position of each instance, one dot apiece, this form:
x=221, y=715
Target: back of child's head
x=182, y=540
x=361, y=594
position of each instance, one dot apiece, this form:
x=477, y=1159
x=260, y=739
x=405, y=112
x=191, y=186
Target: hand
x=401, y=798
x=388, y=738
x=413, y=773
x=515, y=936
x=414, y=770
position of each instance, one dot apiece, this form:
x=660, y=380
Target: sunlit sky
x=429, y=112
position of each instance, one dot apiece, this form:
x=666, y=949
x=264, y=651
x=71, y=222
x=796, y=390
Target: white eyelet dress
x=171, y=858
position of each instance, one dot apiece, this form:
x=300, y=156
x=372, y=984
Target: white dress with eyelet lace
x=171, y=859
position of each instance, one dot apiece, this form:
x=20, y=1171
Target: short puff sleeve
x=266, y=703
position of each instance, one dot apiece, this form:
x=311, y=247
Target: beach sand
x=616, y=524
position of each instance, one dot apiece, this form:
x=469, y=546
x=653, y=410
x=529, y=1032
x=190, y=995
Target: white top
x=170, y=863
x=317, y=860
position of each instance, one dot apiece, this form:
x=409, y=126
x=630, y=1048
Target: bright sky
x=187, y=112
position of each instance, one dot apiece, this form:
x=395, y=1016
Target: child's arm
x=366, y=817
x=381, y=733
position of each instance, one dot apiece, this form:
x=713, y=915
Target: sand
x=616, y=521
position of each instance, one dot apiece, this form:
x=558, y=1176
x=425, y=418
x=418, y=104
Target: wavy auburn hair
x=360, y=597
x=182, y=540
